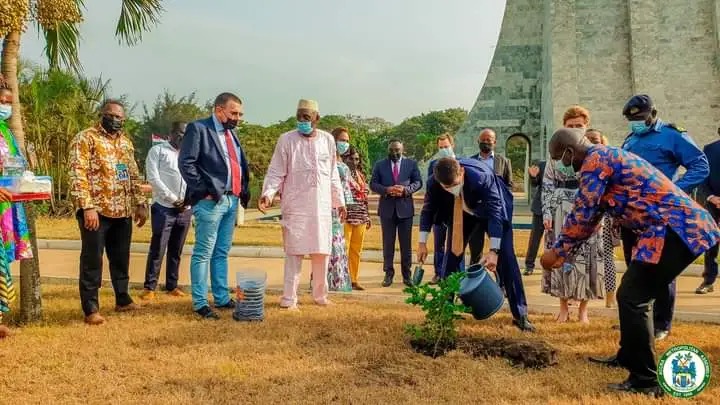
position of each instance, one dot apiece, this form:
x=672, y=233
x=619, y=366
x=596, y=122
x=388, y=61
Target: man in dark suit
x=445, y=144
x=502, y=167
x=709, y=193
x=396, y=179
x=213, y=164
x=469, y=198
x=536, y=173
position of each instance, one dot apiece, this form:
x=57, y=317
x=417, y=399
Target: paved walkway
x=63, y=265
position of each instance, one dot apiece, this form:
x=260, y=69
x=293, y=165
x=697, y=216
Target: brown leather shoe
x=357, y=287
x=147, y=295
x=127, y=308
x=94, y=319
x=177, y=293
x=4, y=332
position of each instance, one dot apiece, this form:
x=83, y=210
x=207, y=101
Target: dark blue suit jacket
x=711, y=185
x=409, y=176
x=484, y=192
x=202, y=164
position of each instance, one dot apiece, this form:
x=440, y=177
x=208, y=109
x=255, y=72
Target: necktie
x=457, y=228
x=234, y=164
x=396, y=171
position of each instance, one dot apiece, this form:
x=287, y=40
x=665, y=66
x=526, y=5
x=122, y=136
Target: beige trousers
x=293, y=270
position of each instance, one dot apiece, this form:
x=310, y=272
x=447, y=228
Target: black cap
x=638, y=104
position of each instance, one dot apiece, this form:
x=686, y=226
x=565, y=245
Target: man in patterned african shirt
x=105, y=191
x=673, y=230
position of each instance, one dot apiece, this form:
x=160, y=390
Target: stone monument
x=552, y=54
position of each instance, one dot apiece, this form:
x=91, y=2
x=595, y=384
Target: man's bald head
x=569, y=145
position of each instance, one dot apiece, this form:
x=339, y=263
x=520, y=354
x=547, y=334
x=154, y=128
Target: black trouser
x=476, y=244
x=402, y=229
x=640, y=286
x=169, y=230
x=664, y=305
x=536, y=233
x=113, y=237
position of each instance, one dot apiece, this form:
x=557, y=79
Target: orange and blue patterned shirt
x=640, y=198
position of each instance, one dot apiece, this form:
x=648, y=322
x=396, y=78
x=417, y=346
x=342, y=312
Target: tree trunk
x=30, y=301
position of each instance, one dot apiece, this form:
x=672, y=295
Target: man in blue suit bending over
x=213, y=164
x=470, y=197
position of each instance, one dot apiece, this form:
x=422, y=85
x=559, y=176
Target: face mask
x=394, y=156
x=111, y=124
x=230, y=124
x=455, y=190
x=5, y=111
x=342, y=147
x=305, y=128
x=638, y=127
x=485, y=147
x=445, y=152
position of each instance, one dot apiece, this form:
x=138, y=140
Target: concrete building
x=552, y=54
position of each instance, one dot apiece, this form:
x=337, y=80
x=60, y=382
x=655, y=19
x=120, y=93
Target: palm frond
x=62, y=43
x=137, y=17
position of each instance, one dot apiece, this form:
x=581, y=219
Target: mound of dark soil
x=525, y=353
x=432, y=349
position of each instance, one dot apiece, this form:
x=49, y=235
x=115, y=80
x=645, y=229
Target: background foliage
x=60, y=103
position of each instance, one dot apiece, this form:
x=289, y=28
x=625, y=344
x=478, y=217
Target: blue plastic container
x=481, y=293
x=251, y=307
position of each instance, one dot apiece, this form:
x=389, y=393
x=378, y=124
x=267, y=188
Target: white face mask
x=455, y=190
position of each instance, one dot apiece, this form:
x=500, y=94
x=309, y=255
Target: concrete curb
x=686, y=316
x=272, y=252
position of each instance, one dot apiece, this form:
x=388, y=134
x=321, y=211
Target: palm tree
x=58, y=21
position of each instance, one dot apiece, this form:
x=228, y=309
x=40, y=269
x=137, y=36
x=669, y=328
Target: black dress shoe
x=626, y=386
x=387, y=282
x=661, y=334
x=528, y=271
x=207, y=313
x=230, y=305
x=611, y=361
x=407, y=282
x=524, y=324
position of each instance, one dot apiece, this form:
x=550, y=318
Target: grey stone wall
x=555, y=53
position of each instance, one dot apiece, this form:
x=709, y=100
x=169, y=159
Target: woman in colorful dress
x=579, y=279
x=610, y=236
x=358, y=216
x=338, y=275
x=14, y=233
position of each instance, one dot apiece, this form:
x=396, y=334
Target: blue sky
x=376, y=58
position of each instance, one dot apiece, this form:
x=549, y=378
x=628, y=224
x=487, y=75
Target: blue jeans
x=214, y=226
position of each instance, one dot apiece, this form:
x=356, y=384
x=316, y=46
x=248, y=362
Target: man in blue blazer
x=213, y=164
x=470, y=187
x=396, y=179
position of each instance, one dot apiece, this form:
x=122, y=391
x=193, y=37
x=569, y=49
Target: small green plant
x=438, y=333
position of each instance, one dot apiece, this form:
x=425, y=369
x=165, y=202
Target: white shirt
x=494, y=242
x=163, y=175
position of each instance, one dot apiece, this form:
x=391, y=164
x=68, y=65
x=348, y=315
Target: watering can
x=480, y=292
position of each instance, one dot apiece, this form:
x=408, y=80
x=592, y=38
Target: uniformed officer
x=667, y=147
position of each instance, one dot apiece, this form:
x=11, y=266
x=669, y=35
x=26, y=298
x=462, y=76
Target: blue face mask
x=445, y=152
x=342, y=147
x=305, y=128
x=638, y=127
x=5, y=111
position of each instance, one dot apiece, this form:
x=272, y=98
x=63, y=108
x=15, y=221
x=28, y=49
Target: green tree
x=157, y=119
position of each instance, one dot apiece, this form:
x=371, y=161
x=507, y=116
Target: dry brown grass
x=353, y=352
